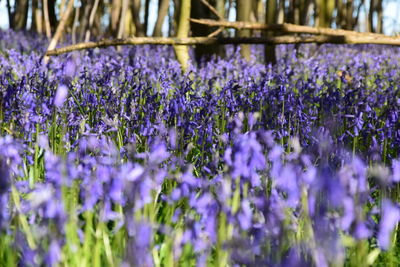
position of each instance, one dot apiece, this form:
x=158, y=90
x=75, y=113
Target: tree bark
x=115, y=13
x=205, y=9
x=46, y=18
x=349, y=14
x=74, y=25
x=121, y=28
x=243, y=10
x=162, y=12
x=135, y=9
x=182, y=52
x=36, y=17
x=20, y=15
x=326, y=8
x=91, y=20
x=146, y=16
x=60, y=29
x=281, y=11
x=371, y=27
x=270, y=18
x=379, y=11
x=52, y=14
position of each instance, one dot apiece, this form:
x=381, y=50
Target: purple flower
x=53, y=256
x=61, y=95
x=389, y=219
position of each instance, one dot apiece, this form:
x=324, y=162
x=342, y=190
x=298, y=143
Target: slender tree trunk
x=162, y=12
x=281, y=12
x=115, y=13
x=379, y=11
x=220, y=7
x=270, y=18
x=36, y=17
x=349, y=14
x=371, y=27
x=60, y=28
x=46, y=18
x=121, y=28
x=91, y=20
x=357, y=17
x=74, y=25
x=135, y=9
x=146, y=16
x=86, y=6
x=177, y=8
x=52, y=14
x=10, y=14
x=182, y=52
x=200, y=10
x=243, y=9
x=20, y=16
x=305, y=10
x=326, y=8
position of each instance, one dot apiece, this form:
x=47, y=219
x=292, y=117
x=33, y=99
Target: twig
x=215, y=12
x=216, y=32
x=285, y=27
x=321, y=39
x=212, y=9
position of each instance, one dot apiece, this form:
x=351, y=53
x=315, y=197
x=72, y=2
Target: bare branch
x=216, y=32
x=321, y=39
x=212, y=9
x=285, y=27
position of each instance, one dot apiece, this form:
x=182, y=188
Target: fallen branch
x=321, y=39
x=285, y=27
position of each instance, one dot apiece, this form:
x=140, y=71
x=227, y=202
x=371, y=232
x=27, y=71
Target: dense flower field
x=117, y=159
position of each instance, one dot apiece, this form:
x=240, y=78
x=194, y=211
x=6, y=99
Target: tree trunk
x=182, y=52
x=46, y=18
x=349, y=14
x=91, y=20
x=243, y=10
x=36, y=17
x=20, y=15
x=281, y=11
x=121, y=28
x=115, y=13
x=135, y=9
x=303, y=11
x=162, y=12
x=379, y=11
x=52, y=14
x=371, y=27
x=270, y=18
x=325, y=11
x=199, y=10
x=74, y=25
x=177, y=8
x=60, y=28
x=10, y=14
x=146, y=16
x=220, y=7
